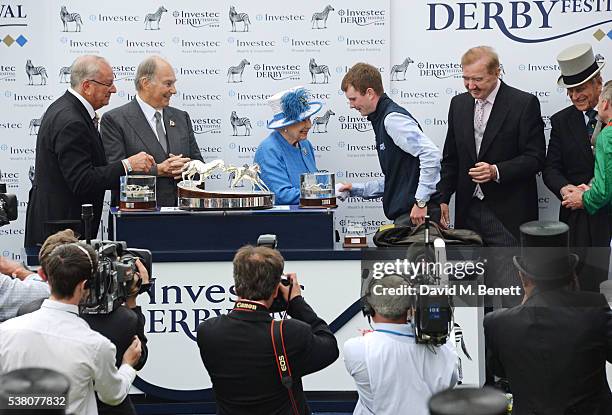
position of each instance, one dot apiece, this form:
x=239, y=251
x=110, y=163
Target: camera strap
x=282, y=360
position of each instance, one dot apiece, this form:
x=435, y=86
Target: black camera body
x=8, y=206
x=111, y=282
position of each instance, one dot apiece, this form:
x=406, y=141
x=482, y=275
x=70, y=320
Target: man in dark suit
x=70, y=161
x=493, y=150
x=148, y=123
x=570, y=162
x=553, y=347
x=237, y=348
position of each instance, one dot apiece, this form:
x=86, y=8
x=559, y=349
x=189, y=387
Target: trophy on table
x=317, y=190
x=355, y=234
x=137, y=193
x=193, y=195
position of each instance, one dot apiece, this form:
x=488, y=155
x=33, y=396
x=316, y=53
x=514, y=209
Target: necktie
x=159, y=128
x=479, y=125
x=592, y=114
x=96, y=121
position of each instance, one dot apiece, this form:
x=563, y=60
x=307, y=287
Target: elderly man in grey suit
x=148, y=123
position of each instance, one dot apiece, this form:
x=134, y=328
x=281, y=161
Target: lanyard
x=397, y=333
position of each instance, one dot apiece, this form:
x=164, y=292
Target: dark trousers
x=500, y=246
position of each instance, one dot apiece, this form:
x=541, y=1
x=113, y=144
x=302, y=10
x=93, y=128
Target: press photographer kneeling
x=394, y=373
x=243, y=358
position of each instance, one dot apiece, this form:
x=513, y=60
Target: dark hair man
x=392, y=372
x=71, y=167
x=408, y=158
x=56, y=338
x=570, y=162
x=553, y=347
x=237, y=348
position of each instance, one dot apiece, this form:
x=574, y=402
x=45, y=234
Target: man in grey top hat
x=570, y=162
x=553, y=347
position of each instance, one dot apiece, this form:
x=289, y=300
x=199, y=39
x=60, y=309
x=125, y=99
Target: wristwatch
x=421, y=204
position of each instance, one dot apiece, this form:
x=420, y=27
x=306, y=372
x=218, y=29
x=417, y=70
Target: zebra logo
x=70, y=17
x=240, y=122
x=397, y=69
x=154, y=17
x=318, y=69
x=35, y=124
x=239, y=17
x=32, y=70
x=64, y=74
x=236, y=70
x=321, y=121
x=321, y=17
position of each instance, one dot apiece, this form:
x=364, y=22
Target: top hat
x=291, y=106
x=469, y=401
x=545, y=251
x=578, y=65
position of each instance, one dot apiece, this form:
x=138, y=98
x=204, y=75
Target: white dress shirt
x=149, y=113
x=86, y=104
x=56, y=338
x=406, y=134
x=393, y=374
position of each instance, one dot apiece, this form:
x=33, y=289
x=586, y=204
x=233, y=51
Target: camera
x=8, y=206
x=111, y=282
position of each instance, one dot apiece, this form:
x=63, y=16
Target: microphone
x=87, y=217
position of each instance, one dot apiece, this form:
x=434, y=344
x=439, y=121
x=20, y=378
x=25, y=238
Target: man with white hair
x=392, y=372
x=70, y=163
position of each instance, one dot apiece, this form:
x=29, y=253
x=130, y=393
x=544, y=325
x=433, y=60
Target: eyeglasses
x=101, y=83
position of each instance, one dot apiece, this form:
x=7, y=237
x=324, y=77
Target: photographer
x=119, y=326
x=392, y=372
x=237, y=349
x=56, y=338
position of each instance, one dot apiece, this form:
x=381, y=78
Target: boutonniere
x=172, y=124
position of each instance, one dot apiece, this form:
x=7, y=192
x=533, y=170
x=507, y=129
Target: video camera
x=111, y=283
x=8, y=206
x=433, y=318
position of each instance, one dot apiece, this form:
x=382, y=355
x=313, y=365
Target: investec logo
x=250, y=45
x=371, y=226
x=114, y=18
x=306, y=45
x=517, y=17
x=362, y=17
x=415, y=97
x=370, y=43
x=134, y=44
x=10, y=178
x=351, y=122
x=207, y=125
x=29, y=100
x=440, y=70
x=196, y=45
x=84, y=44
x=277, y=72
x=124, y=72
x=8, y=73
x=197, y=19
x=18, y=152
x=280, y=18
x=248, y=99
x=213, y=151
x=244, y=152
x=358, y=150
x=8, y=125
x=197, y=71
x=195, y=99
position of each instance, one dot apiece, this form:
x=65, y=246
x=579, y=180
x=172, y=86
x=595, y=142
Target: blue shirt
x=282, y=164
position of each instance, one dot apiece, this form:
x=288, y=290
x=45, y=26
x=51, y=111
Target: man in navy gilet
x=409, y=160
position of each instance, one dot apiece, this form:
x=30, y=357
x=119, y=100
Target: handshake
x=572, y=196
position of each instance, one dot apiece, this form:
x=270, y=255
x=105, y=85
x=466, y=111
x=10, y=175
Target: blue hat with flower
x=291, y=106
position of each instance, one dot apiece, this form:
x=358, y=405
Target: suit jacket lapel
x=141, y=126
x=578, y=133
x=496, y=119
x=95, y=134
x=468, y=127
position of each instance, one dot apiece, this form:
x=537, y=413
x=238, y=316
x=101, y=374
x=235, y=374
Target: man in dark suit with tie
x=553, y=347
x=70, y=163
x=570, y=162
x=148, y=123
x=493, y=151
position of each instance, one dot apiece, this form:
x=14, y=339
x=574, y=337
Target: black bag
x=392, y=235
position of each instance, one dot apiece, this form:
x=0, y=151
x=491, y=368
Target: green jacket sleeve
x=600, y=193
